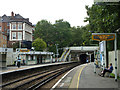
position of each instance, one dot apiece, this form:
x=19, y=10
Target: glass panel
x=20, y=26
x=19, y=35
x=14, y=26
x=13, y=35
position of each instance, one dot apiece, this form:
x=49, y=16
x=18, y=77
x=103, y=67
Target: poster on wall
x=101, y=47
x=101, y=59
x=101, y=51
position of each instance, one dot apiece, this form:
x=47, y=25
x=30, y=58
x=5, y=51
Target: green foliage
x=44, y=30
x=104, y=19
x=113, y=76
x=63, y=34
x=58, y=33
x=39, y=44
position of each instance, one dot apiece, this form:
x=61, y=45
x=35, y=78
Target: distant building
x=18, y=28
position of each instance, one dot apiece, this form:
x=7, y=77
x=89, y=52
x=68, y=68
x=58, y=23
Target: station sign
x=103, y=37
x=24, y=50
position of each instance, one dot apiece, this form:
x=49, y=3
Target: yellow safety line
x=72, y=80
x=79, y=76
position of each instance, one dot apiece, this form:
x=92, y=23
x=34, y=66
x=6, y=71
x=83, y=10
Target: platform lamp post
x=115, y=47
x=94, y=63
x=57, y=51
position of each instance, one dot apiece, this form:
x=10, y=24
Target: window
x=13, y=35
x=19, y=26
x=19, y=35
x=14, y=26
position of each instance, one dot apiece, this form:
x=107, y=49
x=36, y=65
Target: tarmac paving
x=83, y=76
x=89, y=79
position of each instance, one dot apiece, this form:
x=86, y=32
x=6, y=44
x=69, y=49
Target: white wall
x=27, y=36
x=31, y=62
x=9, y=56
x=28, y=28
x=111, y=57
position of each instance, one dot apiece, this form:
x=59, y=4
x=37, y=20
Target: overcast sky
x=72, y=11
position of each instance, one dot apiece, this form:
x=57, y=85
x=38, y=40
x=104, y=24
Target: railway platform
x=11, y=69
x=83, y=76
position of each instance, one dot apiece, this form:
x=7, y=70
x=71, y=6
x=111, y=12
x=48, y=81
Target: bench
x=107, y=74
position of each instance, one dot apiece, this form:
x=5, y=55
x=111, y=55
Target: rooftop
x=15, y=18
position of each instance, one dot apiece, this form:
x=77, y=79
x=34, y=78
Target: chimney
x=12, y=13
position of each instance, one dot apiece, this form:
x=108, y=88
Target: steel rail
x=43, y=82
x=14, y=81
x=5, y=85
x=32, y=80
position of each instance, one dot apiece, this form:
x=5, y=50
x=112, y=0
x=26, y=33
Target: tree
x=104, y=19
x=62, y=33
x=39, y=44
x=76, y=36
x=58, y=33
x=44, y=30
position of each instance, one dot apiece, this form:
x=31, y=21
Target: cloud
x=72, y=11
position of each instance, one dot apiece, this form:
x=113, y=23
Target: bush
x=39, y=44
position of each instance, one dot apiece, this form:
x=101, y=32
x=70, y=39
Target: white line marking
x=62, y=78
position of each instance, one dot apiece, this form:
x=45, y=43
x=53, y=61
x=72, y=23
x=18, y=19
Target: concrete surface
x=86, y=78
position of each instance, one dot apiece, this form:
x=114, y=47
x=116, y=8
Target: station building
x=8, y=57
x=38, y=57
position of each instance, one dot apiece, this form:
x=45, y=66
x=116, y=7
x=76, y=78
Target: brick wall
x=3, y=34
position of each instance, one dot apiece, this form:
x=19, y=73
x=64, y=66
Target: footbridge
x=78, y=53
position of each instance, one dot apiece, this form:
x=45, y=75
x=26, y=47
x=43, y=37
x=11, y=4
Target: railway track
x=35, y=81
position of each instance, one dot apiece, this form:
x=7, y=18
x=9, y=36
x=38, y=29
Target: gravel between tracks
x=53, y=82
